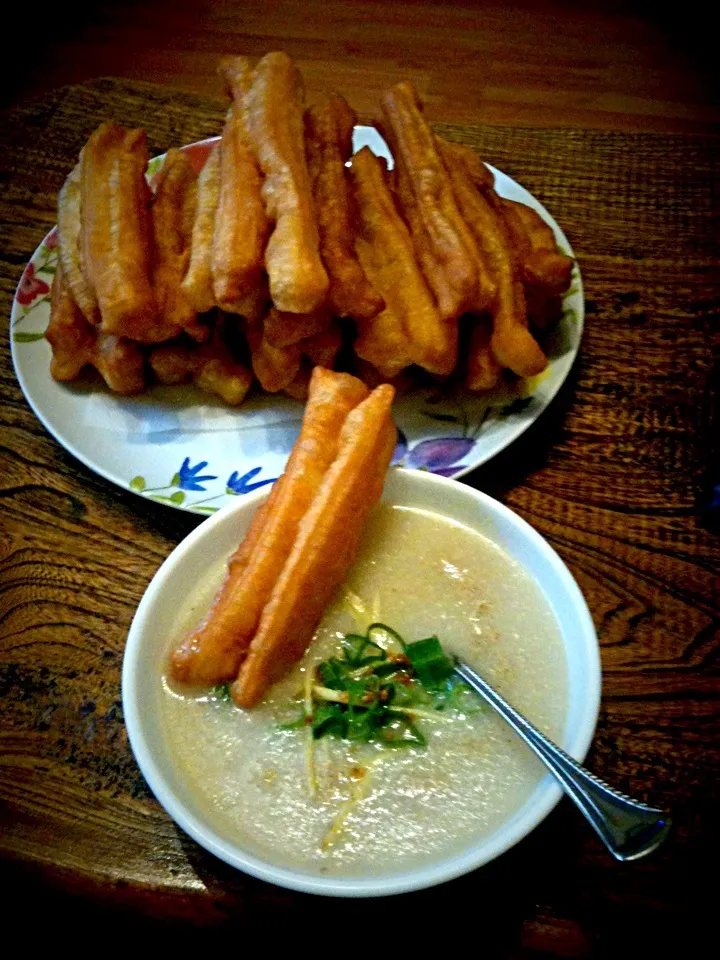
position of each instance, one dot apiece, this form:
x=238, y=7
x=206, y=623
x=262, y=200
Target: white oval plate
x=176, y=589
x=180, y=447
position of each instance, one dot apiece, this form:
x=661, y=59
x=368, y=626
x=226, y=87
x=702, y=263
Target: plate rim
x=577, y=290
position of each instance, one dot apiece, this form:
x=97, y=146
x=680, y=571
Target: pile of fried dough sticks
x=286, y=252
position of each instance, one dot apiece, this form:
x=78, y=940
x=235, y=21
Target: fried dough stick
x=70, y=248
x=274, y=367
x=283, y=329
x=241, y=226
x=324, y=546
x=197, y=284
x=299, y=386
x=454, y=154
x=323, y=348
x=213, y=653
x=210, y=366
x=382, y=339
x=272, y=112
x=115, y=232
x=254, y=305
x=395, y=271
x=172, y=212
x=328, y=144
x=69, y=334
x=544, y=268
x=120, y=362
x=512, y=343
x=446, y=248
x=451, y=152
x=483, y=369
x=76, y=344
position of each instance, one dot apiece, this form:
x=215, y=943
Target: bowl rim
x=542, y=800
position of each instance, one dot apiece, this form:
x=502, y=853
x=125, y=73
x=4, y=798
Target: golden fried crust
x=236, y=74
x=173, y=363
x=544, y=268
x=272, y=111
x=69, y=334
x=478, y=172
x=382, y=339
x=283, y=329
x=210, y=366
x=175, y=195
x=521, y=245
x=455, y=159
x=328, y=144
x=197, y=284
x=76, y=344
x=224, y=378
x=254, y=305
x=395, y=271
x=323, y=347
x=241, y=226
x=120, y=362
x=299, y=386
x=274, y=367
x=483, y=369
x=323, y=547
x=115, y=231
x=215, y=650
x=69, y=246
x=437, y=227
x=512, y=343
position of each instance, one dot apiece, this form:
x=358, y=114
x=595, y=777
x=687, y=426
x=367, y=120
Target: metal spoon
x=628, y=828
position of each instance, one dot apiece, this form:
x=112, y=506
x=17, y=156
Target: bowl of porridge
x=345, y=815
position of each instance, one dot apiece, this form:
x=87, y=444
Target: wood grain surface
x=632, y=64
x=618, y=475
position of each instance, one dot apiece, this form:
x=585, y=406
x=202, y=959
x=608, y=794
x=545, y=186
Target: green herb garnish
x=221, y=692
x=376, y=689
x=427, y=658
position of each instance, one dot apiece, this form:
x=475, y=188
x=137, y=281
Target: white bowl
x=174, y=587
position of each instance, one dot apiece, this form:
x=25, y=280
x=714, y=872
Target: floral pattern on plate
x=182, y=449
x=191, y=479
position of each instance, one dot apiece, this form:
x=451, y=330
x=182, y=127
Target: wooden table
x=618, y=475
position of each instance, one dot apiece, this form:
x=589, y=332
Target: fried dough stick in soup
x=115, y=232
x=325, y=545
x=328, y=142
x=214, y=652
x=396, y=274
x=272, y=112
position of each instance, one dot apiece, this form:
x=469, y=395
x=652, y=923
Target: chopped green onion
x=221, y=692
x=427, y=658
x=360, y=651
x=374, y=690
x=386, y=638
x=330, y=718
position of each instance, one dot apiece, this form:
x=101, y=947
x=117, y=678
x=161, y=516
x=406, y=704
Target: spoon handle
x=628, y=828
